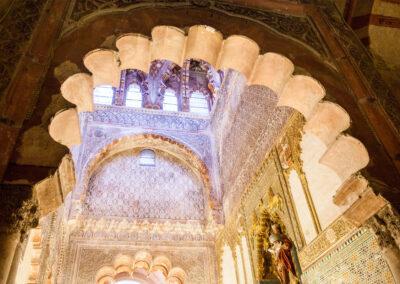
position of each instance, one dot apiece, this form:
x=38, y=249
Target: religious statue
x=280, y=247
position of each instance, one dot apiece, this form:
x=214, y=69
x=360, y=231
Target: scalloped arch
x=302, y=93
x=143, y=266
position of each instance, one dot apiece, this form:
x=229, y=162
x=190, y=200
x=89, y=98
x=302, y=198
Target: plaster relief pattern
x=121, y=187
x=109, y=123
x=358, y=260
x=197, y=261
x=254, y=128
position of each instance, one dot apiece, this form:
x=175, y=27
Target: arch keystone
x=346, y=156
x=327, y=122
x=64, y=128
x=168, y=43
x=134, y=52
x=273, y=71
x=302, y=93
x=239, y=53
x=203, y=42
x=78, y=89
x=103, y=65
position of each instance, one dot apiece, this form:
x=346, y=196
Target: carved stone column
x=17, y=215
x=385, y=225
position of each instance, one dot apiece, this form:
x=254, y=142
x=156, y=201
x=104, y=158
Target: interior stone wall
x=267, y=190
x=357, y=260
x=86, y=257
x=247, y=124
x=123, y=188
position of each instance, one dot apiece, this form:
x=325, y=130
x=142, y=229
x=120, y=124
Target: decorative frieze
x=332, y=235
x=86, y=258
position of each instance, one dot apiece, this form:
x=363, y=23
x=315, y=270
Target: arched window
x=133, y=96
x=198, y=103
x=103, y=95
x=170, y=102
x=147, y=158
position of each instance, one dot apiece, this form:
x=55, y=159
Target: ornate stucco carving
x=85, y=259
x=357, y=259
x=327, y=239
x=386, y=226
x=253, y=134
x=121, y=187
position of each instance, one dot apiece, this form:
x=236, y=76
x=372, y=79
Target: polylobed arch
x=142, y=267
x=302, y=93
x=325, y=121
x=100, y=24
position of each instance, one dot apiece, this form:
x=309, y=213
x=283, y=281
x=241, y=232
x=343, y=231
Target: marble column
x=8, y=245
x=18, y=213
x=15, y=264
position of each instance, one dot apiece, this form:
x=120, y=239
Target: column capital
x=386, y=226
x=18, y=209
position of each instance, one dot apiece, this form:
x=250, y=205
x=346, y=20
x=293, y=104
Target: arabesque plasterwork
x=85, y=258
x=169, y=190
x=338, y=231
x=266, y=195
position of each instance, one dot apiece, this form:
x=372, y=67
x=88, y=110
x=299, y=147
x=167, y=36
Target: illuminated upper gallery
x=169, y=87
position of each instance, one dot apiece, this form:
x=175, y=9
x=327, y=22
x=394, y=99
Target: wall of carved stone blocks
x=357, y=260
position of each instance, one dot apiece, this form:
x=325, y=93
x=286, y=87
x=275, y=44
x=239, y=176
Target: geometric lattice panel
x=122, y=188
x=358, y=260
x=87, y=257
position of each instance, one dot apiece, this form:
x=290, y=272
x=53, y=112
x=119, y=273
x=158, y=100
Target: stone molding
x=123, y=229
